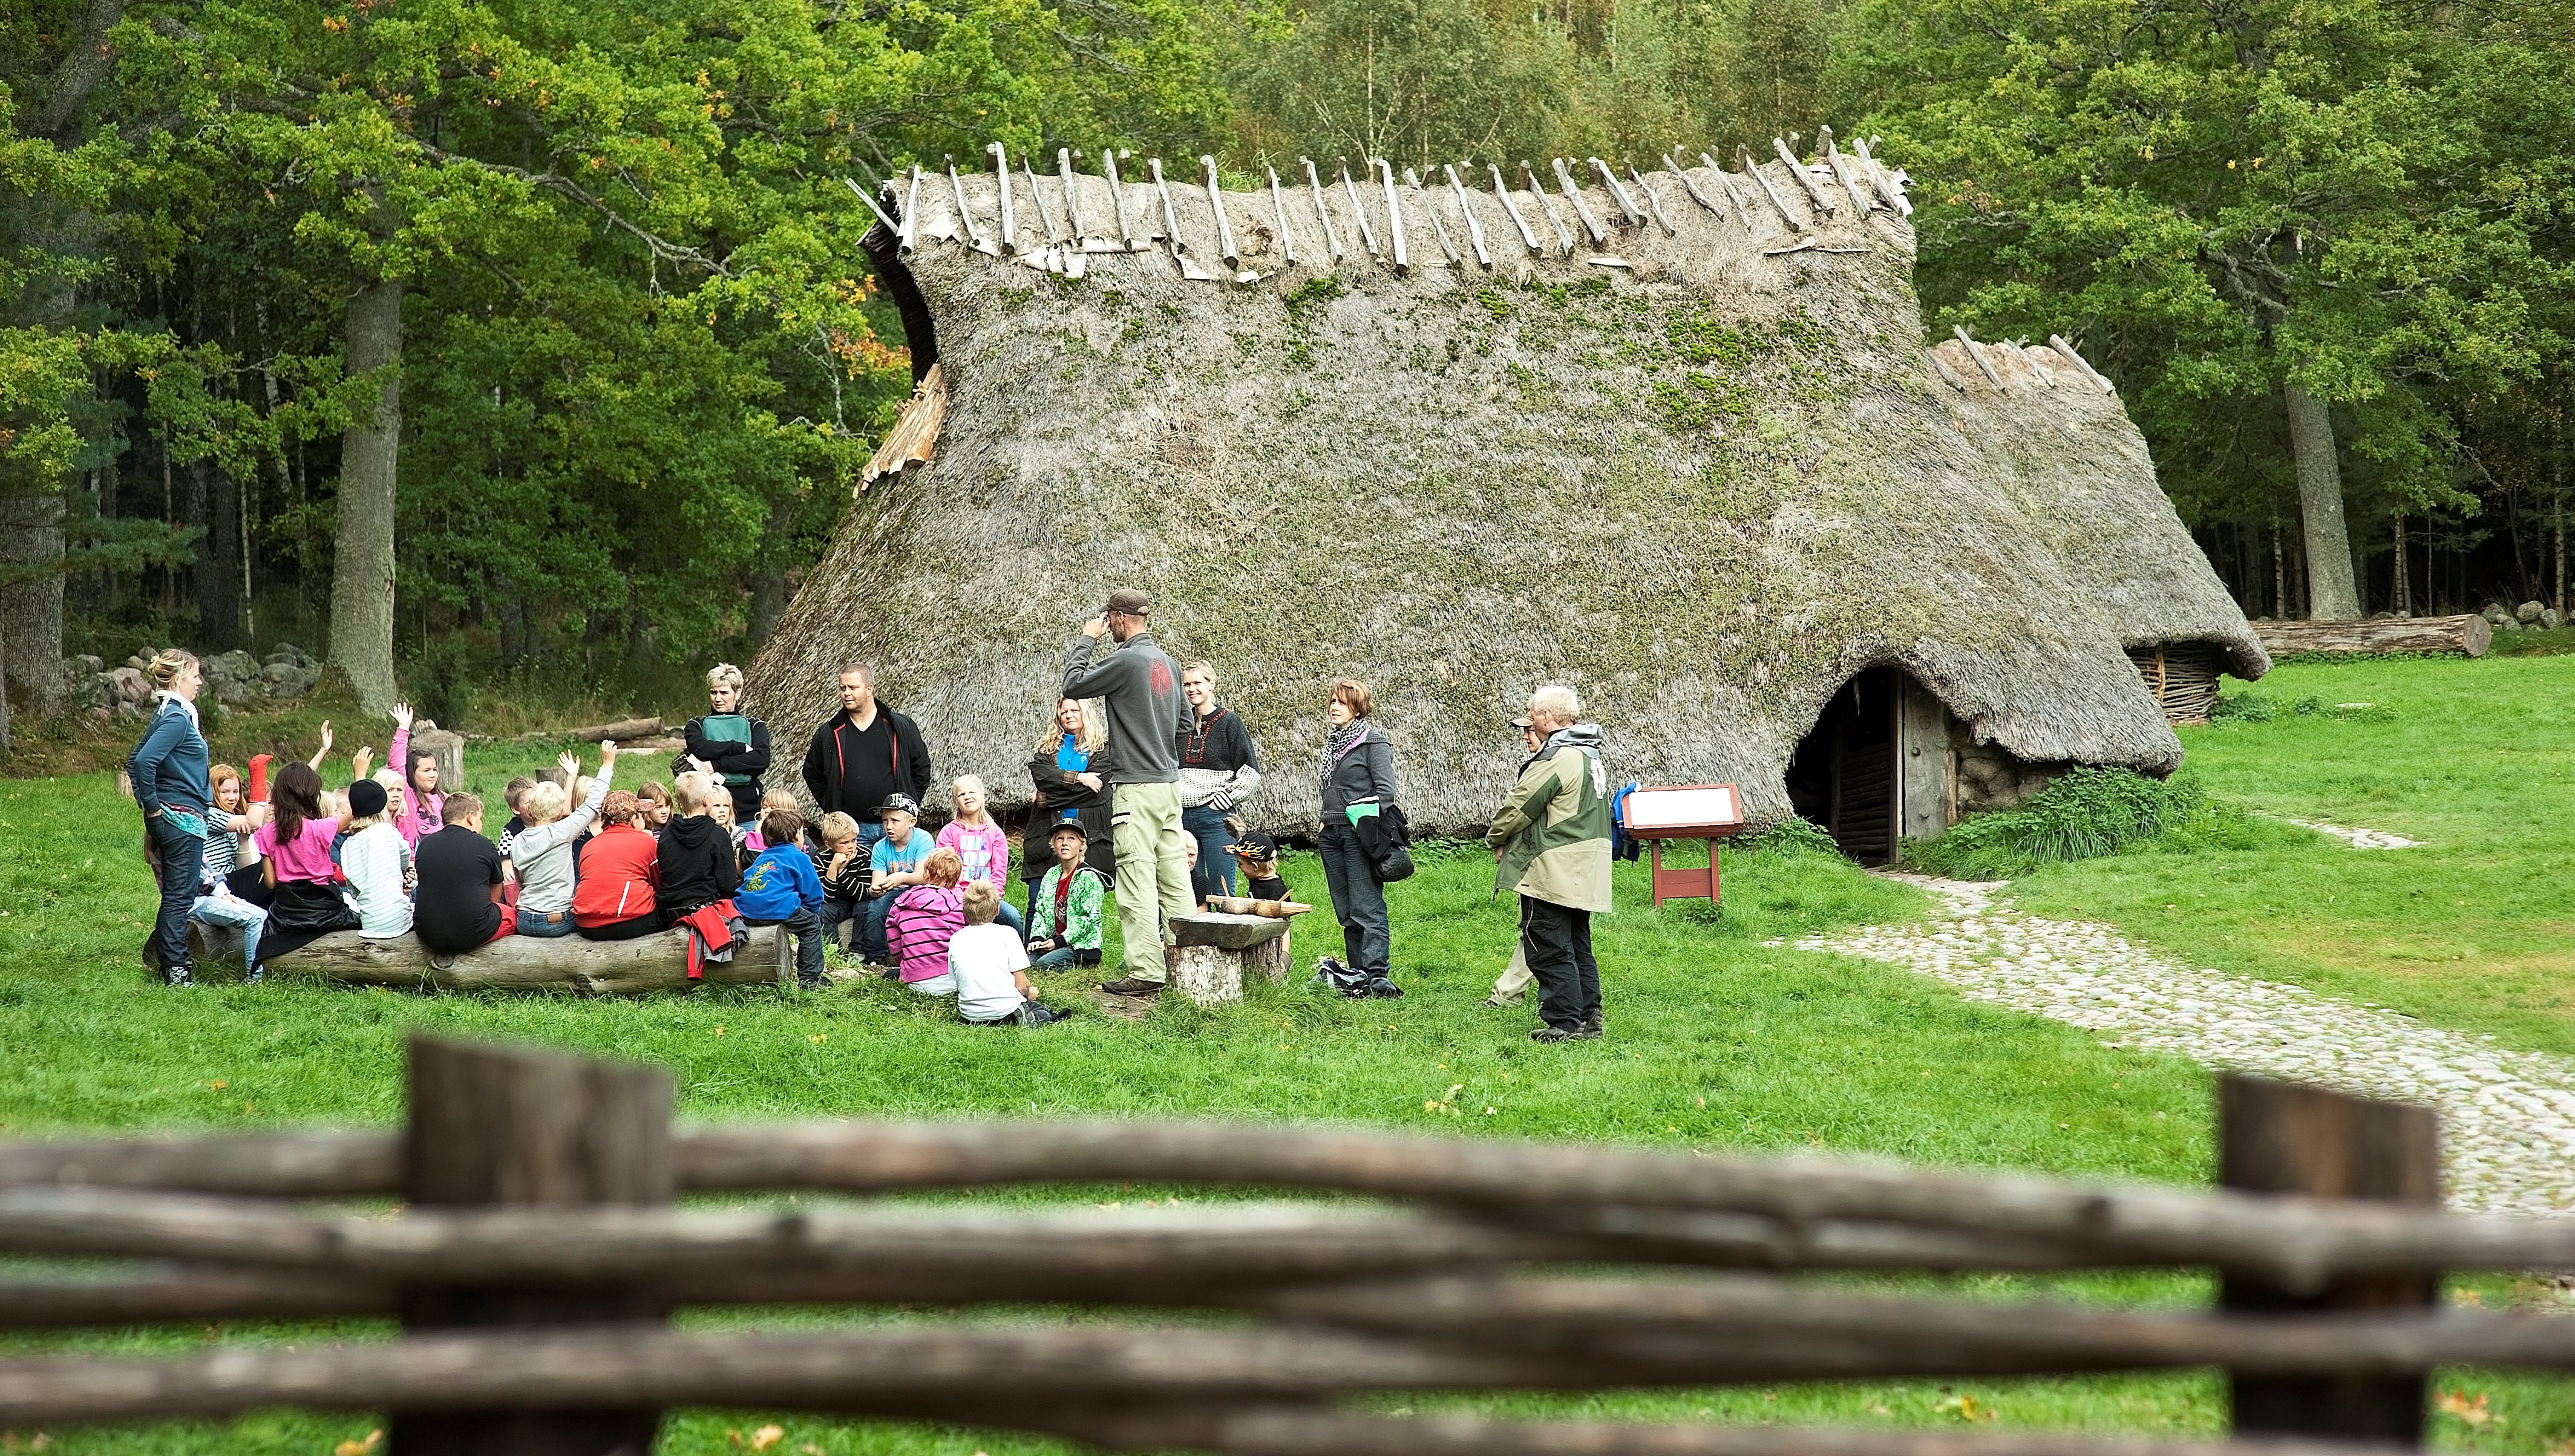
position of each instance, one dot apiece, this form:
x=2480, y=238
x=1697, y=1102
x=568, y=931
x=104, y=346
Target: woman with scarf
x=1359, y=783
x=168, y=773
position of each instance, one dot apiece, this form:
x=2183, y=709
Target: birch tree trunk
x=362, y=573
x=2331, y=597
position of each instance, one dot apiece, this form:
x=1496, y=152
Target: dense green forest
x=504, y=346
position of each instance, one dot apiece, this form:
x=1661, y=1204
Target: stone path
x=2358, y=839
x=2507, y=1117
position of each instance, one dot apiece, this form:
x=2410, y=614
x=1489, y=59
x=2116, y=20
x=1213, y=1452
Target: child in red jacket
x=621, y=873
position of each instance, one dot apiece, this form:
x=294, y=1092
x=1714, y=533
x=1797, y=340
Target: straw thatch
x=1704, y=475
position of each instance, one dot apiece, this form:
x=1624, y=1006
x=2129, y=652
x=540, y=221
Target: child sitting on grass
x=990, y=967
x=781, y=888
x=893, y=866
x=377, y=862
x=1068, y=924
x=844, y=872
x=462, y=904
x=696, y=860
x=980, y=844
x=922, y=920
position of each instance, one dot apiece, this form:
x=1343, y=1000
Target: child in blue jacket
x=781, y=888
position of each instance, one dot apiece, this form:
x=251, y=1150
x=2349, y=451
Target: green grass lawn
x=2475, y=930
x=1715, y=1041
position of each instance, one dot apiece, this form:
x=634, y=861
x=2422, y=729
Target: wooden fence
x=535, y=1261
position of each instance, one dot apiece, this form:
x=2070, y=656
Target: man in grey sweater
x=1145, y=716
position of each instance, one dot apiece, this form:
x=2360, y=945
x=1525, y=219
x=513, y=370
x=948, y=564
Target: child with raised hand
x=844, y=872
x=1067, y=930
x=419, y=809
x=990, y=966
x=980, y=845
x=542, y=852
x=781, y=888
x=924, y=917
x=893, y=867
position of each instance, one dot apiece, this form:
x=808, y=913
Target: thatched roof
x=1705, y=484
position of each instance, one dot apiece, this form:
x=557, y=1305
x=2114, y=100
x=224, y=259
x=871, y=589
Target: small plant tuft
x=2085, y=815
x=1791, y=835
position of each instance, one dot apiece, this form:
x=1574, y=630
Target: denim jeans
x=249, y=919
x=544, y=925
x=872, y=927
x=835, y=915
x=806, y=928
x=1359, y=902
x=183, y=861
x=1065, y=958
x=1206, y=826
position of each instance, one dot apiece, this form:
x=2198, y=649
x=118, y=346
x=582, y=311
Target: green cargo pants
x=1153, y=872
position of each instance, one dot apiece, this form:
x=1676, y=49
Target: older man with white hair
x=1551, y=839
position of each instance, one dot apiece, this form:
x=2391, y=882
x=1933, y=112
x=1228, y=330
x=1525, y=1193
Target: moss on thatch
x=1704, y=489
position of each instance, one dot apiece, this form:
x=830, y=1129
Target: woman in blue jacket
x=168, y=772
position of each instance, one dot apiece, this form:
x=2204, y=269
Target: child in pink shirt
x=982, y=849
x=925, y=917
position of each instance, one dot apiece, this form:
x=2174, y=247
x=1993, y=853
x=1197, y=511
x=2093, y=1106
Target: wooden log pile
x=2467, y=635
x=537, y=1256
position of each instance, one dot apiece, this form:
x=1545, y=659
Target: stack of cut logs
x=1483, y=1266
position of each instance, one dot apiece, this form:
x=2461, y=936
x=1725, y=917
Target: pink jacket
x=416, y=816
x=986, y=852
x=920, y=926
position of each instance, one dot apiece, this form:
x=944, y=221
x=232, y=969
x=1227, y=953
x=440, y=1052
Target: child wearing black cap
x=1258, y=853
x=374, y=858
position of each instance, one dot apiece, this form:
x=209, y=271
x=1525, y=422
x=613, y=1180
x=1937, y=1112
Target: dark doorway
x=1844, y=774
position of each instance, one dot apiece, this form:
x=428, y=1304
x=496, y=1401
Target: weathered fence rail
x=538, y=1257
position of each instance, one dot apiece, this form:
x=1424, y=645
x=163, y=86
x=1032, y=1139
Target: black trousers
x=1556, y=942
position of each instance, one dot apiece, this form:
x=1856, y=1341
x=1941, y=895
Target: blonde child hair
x=778, y=798
x=544, y=803
x=966, y=784
x=837, y=827
x=690, y=792
x=982, y=902
x=943, y=869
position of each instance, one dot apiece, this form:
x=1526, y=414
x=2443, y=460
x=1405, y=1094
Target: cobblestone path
x=2508, y=1117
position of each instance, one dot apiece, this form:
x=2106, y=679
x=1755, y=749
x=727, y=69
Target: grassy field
x=1715, y=1041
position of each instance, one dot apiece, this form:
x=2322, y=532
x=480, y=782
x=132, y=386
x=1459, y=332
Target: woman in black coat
x=1065, y=772
x=1359, y=783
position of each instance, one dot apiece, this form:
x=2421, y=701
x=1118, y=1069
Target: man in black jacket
x=865, y=754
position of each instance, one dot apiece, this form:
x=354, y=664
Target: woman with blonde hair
x=168, y=773
x=728, y=743
x=1065, y=773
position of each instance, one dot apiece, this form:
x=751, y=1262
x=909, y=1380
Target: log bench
x=513, y=962
x=2467, y=635
x=1216, y=947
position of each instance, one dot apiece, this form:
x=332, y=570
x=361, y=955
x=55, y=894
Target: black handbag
x=1386, y=838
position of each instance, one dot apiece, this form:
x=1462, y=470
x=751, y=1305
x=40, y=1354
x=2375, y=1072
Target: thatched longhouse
x=1683, y=445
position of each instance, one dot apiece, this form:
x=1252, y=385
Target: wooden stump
x=514, y=963
x=2470, y=635
x=2275, y=1137
x=1213, y=948
x=512, y=1127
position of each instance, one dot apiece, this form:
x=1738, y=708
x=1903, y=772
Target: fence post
x=2275, y=1137
x=497, y=1126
